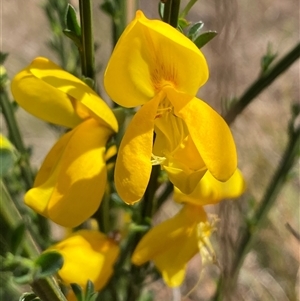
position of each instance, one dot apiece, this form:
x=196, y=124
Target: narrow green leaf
x=194, y=31
x=48, y=264
x=161, y=8
x=89, y=288
x=71, y=21
x=93, y=297
x=77, y=290
x=17, y=238
x=204, y=38
x=70, y=34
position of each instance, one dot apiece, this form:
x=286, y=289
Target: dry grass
x=245, y=28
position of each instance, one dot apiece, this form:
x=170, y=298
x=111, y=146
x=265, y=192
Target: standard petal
x=42, y=100
x=53, y=75
x=71, y=182
x=133, y=165
x=149, y=55
x=209, y=132
x=88, y=255
x=210, y=191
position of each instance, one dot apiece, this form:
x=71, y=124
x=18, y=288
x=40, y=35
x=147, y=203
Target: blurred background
x=245, y=31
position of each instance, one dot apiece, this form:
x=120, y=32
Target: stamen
x=156, y=160
x=164, y=107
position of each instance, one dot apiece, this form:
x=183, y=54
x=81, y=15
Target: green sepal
x=17, y=238
x=194, y=31
x=204, y=38
x=29, y=297
x=48, y=264
x=89, y=81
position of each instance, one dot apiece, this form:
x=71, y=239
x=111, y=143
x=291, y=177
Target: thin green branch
x=187, y=8
x=87, y=38
x=261, y=83
x=147, y=202
x=250, y=235
x=15, y=137
x=12, y=217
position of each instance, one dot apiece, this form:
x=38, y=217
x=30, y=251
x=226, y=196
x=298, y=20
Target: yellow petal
x=172, y=263
x=133, y=165
x=210, y=191
x=88, y=255
x=168, y=234
x=171, y=244
x=183, y=178
x=185, y=166
x=42, y=100
x=209, y=132
x=149, y=55
x=71, y=182
x=67, y=83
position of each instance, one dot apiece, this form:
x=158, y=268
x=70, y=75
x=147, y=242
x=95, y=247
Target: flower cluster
x=72, y=179
x=156, y=67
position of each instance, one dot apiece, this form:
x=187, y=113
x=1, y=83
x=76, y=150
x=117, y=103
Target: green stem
x=15, y=136
x=12, y=217
x=147, y=202
x=87, y=39
x=187, y=8
x=103, y=217
x=248, y=238
x=261, y=83
x=47, y=289
x=171, y=12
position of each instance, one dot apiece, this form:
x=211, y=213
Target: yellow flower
x=157, y=67
x=88, y=255
x=174, y=242
x=71, y=181
x=211, y=191
x=48, y=92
